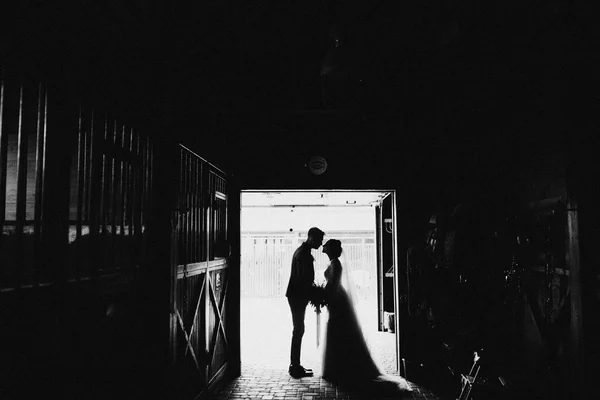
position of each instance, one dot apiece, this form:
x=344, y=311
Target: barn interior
x=128, y=131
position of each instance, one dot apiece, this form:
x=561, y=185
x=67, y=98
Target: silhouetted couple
x=346, y=356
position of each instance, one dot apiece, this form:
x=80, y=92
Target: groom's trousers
x=298, y=308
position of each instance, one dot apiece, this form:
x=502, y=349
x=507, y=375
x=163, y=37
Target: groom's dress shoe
x=298, y=371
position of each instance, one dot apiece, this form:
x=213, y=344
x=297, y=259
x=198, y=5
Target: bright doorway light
x=273, y=225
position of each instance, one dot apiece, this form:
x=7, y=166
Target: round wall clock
x=317, y=165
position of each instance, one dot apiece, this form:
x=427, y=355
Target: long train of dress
x=346, y=357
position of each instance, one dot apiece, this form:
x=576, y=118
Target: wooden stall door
x=200, y=278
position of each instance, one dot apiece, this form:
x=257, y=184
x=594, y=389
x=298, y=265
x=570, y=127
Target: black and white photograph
x=299, y=200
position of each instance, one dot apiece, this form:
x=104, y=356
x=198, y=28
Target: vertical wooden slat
x=210, y=216
x=150, y=166
x=181, y=207
x=394, y=248
x=192, y=195
x=110, y=177
x=104, y=177
x=136, y=169
x=80, y=184
x=188, y=240
x=380, y=267
x=139, y=187
x=79, y=187
x=96, y=187
x=113, y=179
x=197, y=212
x=3, y=160
x=197, y=194
x=120, y=197
x=143, y=178
x=226, y=214
x=123, y=198
x=188, y=214
x=193, y=209
x=89, y=169
x=202, y=216
x=40, y=166
x=149, y=169
x=21, y=199
x=184, y=206
x=130, y=185
x=123, y=190
x=577, y=344
x=108, y=200
x=178, y=228
x=183, y=227
x=219, y=214
x=222, y=213
x=114, y=198
x=84, y=192
x=147, y=179
x=207, y=298
x=215, y=213
x=125, y=181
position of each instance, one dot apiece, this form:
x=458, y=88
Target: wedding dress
x=346, y=356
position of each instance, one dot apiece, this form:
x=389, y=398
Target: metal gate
x=200, y=250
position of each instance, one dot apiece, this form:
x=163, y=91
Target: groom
x=298, y=293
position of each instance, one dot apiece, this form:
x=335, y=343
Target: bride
x=346, y=356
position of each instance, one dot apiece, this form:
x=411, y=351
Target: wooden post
x=573, y=261
x=62, y=128
x=157, y=273
x=234, y=300
x=380, y=266
x=397, y=269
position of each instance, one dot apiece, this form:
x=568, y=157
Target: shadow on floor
x=266, y=329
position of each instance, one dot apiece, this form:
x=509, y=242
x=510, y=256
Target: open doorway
x=273, y=225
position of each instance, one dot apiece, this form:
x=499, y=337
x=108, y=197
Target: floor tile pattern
x=266, y=332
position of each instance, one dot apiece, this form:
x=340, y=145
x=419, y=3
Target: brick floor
x=260, y=382
x=266, y=332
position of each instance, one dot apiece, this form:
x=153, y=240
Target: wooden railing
x=109, y=191
x=75, y=193
x=109, y=196
x=200, y=348
x=23, y=111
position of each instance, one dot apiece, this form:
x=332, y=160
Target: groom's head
x=315, y=237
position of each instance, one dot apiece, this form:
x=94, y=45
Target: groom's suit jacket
x=302, y=275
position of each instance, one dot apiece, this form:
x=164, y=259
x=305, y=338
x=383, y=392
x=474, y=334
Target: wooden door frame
x=380, y=226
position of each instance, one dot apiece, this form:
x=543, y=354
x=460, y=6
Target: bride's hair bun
x=334, y=245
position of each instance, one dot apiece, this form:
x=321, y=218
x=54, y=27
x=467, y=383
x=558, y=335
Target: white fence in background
x=266, y=262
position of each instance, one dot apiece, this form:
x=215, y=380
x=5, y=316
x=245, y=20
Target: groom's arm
x=306, y=270
x=303, y=274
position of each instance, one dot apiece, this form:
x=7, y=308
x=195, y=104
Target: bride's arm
x=333, y=281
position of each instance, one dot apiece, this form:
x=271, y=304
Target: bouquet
x=318, y=300
x=317, y=297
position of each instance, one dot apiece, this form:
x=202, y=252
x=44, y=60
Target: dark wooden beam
x=573, y=261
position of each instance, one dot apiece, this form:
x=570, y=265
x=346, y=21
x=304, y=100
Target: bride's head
x=333, y=248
